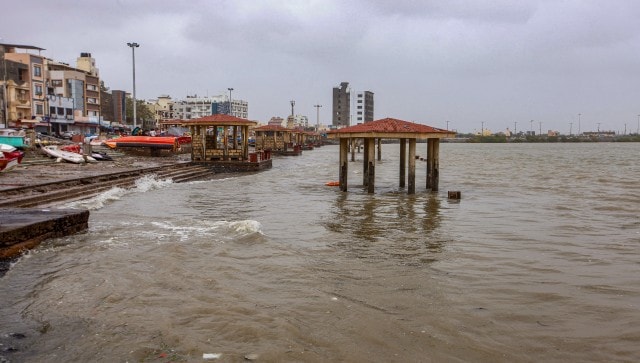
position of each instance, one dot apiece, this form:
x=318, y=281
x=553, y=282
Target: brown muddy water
x=539, y=261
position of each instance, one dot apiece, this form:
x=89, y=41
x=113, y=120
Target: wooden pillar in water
x=344, y=165
x=371, y=169
x=433, y=165
x=245, y=142
x=379, y=149
x=235, y=137
x=403, y=162
x=225, y=143
x=411, y=189
x=365, y=162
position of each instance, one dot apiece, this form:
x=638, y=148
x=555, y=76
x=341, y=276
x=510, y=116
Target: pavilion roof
x=272, y=128
x=391, y=128
x=218, y=120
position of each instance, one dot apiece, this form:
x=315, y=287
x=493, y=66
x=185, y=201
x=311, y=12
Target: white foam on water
x=151, y=182
x=144, y=184
x=220, y=229
x=98, y=201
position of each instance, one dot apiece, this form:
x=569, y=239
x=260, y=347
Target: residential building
x=297, y=121
x=364, y=107
x=196, y=107
x=119, y=106
x=341, y=115
x=23, y=82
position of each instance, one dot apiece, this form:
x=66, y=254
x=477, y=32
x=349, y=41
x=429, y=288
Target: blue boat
x=12, y=137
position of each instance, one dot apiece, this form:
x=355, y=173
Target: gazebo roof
x=218, y=120
x=391, y=128
x=273, y=128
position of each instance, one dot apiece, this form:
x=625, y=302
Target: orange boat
x=156, y=142
x=332, y=183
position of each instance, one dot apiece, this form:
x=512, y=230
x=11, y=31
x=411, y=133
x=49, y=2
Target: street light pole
x=638, y=129
x=230, y=103
x=447, y=125
x=293, y=103
x=570, y=127
x=482, y=129
x=540, y=130
x=531, y=126
x=515, y=128
x=317, y=117
x=133, y=55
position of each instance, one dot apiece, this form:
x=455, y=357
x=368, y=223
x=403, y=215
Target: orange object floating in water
x=332, y=183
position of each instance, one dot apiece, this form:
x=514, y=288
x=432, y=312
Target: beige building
x=23, y=85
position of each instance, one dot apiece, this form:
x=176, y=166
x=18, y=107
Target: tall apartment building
x=119, y=106
x=341, y=114
x=364, y=107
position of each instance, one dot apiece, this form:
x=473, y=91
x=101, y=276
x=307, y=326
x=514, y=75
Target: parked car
x=68, y=134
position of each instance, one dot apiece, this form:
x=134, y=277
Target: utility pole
x=515, y=127
x=540, y=130
x=447, y=125
x=317, y=117
x=531, y=126
x=133, y=54
x=570, y=127
x=579, y=123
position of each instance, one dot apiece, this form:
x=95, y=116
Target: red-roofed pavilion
x=390, y=128
x=222, y=141
x=277, y=139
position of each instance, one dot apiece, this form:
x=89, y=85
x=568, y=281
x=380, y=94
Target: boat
x=12, y=137
x=11, y=152
x=72, y=157
x=156, y=142
x=332, y=183
x=101, y=156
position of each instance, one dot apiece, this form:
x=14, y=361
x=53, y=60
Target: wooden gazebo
x=277, y=139
x=390, y=128
x=222, y=142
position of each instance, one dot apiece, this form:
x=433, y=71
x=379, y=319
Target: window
x=359, y=107
x=359, y=101
x=39, y=109
x=52, y=110
x=38, y=89
x=60, y=111
x=56, y=83
x=37, y=71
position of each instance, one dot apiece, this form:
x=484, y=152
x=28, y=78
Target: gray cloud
x=466, y=62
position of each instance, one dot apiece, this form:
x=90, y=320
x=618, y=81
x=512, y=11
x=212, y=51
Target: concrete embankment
x=22, y=229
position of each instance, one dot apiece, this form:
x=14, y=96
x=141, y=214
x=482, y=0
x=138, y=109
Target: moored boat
x=12, y=137
x=72, y=157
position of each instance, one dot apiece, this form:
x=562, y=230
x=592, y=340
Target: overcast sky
x=472, y=63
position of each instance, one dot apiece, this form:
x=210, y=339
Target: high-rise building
x=364, y=106
x=341, y=114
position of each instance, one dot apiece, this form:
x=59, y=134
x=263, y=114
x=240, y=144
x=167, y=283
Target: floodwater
x=539, y=261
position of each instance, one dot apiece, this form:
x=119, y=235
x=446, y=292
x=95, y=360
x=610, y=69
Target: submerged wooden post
x=433, y=164
x=411, y=189
x=436, y=165
x=403, y=162
x=379, y=149
x=344, y=165
x=365, y=162
x=371, y=169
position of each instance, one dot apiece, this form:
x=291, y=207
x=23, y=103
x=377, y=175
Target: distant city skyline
x=460, y=65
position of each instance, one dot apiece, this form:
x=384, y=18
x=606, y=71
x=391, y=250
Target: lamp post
x=531, y=126
x=515, y=128
x=133, y=56
x=570, y=126
x=230, y=104
x=293, y=103
x=317, y=117
x=447, y=125
x=638, y=129
x=482, y=129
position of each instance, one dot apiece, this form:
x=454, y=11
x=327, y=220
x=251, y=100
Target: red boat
x=9, y=157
